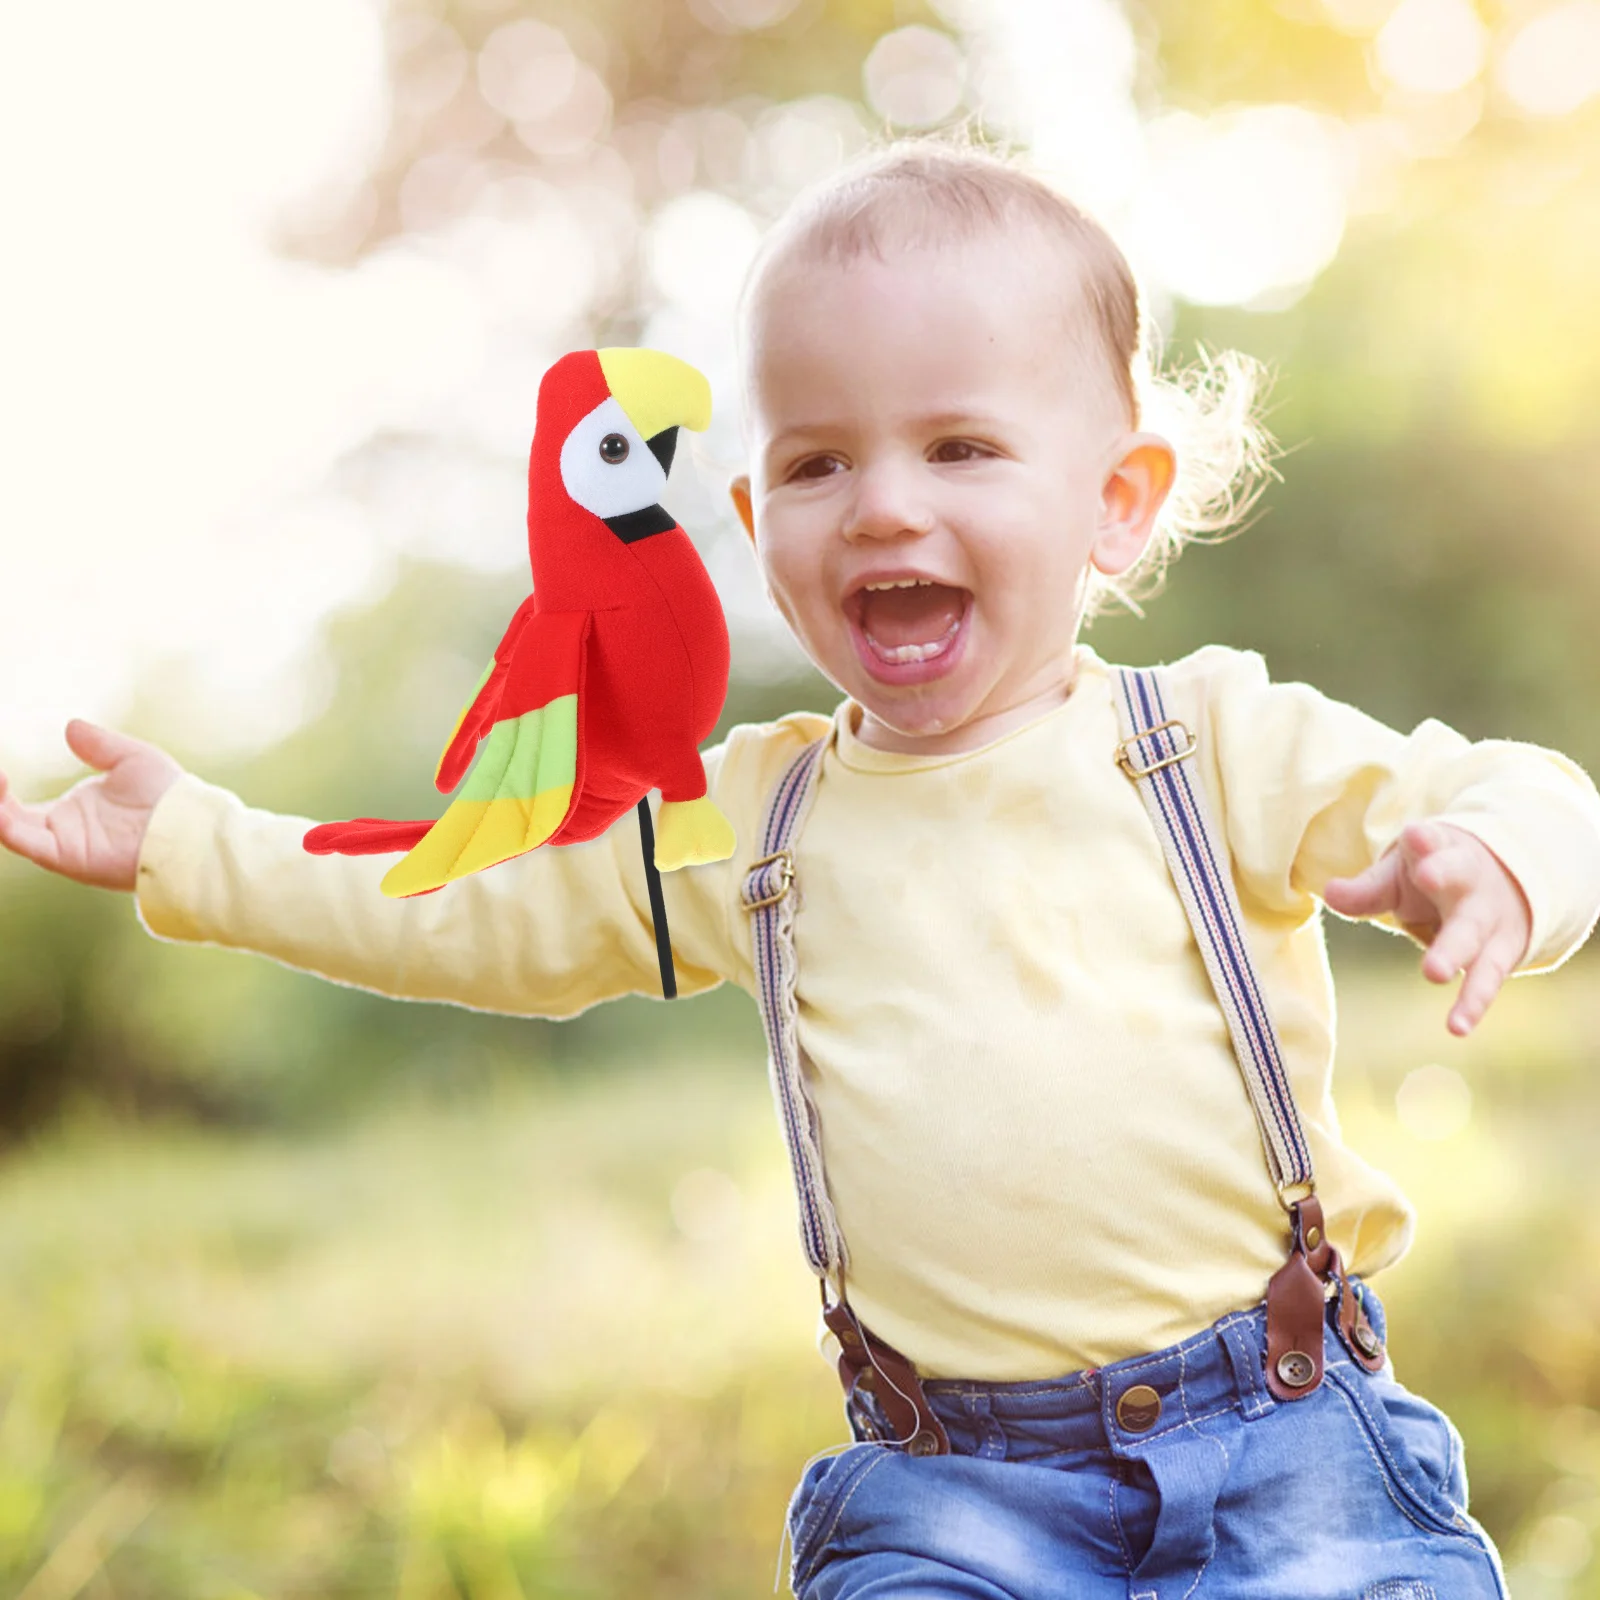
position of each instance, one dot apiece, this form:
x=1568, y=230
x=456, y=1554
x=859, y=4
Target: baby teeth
x=902, y=583
x=900, y=654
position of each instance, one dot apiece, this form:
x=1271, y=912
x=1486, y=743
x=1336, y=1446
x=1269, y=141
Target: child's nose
x=887, y=505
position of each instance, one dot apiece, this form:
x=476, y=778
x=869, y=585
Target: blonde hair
x=932, y=191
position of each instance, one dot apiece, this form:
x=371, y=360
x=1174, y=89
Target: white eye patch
x=607, y=468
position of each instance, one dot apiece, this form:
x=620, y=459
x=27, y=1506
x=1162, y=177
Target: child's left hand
x=1448, y=891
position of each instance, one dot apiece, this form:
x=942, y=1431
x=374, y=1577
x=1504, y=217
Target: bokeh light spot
x=430, y=65
x=741, y=16
x=707, y=1206
x=1432, y=46
x=1359, y=16
x=438, y=188
x=914, y=77
x=698, y=248
x=1239, y=205
x=1433, y=1103
x=574, y=122
x=526, y=69
x=539, y=269
x=800, y=143
x=1552, y=66
x=1058, y=75
x=1559, y=1546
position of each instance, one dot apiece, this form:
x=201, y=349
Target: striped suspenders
x=1155, y=754
x=768, y=895
x=1154, y=751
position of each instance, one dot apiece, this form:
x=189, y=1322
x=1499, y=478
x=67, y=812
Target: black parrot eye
x=613, y=449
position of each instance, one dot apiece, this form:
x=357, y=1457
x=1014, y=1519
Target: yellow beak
x=657, y=391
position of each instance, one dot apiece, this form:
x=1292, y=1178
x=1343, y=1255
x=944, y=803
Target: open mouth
x=908, y=629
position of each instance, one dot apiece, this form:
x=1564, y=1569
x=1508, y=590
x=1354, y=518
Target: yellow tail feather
x=474, y=834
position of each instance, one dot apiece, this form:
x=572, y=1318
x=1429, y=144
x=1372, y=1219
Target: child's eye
x=958, y=450
x=817, y=467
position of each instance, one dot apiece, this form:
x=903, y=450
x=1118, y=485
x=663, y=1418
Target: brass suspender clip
x=1126, y=760
x=784, y=861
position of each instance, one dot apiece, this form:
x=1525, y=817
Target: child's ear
x=739, y=493
x=1130, y=499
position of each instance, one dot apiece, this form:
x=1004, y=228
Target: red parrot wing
x=482, y=709
x=529, y=770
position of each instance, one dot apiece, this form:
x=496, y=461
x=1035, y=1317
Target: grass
x=556, y=1339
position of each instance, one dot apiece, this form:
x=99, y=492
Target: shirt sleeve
x=1314, y=789
x=547, y=934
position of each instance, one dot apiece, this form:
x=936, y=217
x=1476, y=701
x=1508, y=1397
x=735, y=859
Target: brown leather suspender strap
x=868, y=1366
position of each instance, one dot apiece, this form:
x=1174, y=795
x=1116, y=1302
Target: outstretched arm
x=93, y=833
x=549, y=933
x=1487, y=853
x=551, y=939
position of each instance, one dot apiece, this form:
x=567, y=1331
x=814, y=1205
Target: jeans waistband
x=1220, y=1368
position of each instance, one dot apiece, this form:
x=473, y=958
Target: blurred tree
x=1431, y=549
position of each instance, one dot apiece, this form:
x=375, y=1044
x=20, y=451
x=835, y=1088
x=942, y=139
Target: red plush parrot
x=611, y=673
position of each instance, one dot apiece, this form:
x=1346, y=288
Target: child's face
x=937, y=459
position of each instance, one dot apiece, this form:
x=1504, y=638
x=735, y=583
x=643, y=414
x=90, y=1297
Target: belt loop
x=979, y=1408
x=1243, y=1342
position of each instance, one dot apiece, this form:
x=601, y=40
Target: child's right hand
x=94, y=831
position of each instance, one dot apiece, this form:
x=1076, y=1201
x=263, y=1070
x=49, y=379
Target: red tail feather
x=365, y=836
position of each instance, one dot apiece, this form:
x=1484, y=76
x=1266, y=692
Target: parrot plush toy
x=611, y=673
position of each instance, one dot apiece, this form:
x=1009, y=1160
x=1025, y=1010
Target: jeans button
x=1139, y=1408
x=923, y=1444
x=1296, y=1368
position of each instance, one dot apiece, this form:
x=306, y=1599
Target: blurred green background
x=308, y=1293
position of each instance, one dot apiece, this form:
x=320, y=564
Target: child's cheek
x=782, y=574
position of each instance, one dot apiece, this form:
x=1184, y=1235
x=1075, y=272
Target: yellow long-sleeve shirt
x=1038, y=1141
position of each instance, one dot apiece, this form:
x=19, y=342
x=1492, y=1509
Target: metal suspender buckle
x=773, y=892
x=1130, y=765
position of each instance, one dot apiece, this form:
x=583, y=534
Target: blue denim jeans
x=1354, y=1492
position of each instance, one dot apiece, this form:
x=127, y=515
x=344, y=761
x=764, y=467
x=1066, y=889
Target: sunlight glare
x=171, y=384
x=1221, y=210
x=1058, y=76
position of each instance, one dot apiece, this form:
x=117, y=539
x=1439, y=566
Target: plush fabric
x=611, y=673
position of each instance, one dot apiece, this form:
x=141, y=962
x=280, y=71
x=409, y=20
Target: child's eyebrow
x=961, y=417
x=798, y=433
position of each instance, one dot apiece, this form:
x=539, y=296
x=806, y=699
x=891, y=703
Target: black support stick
x=658, y=906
